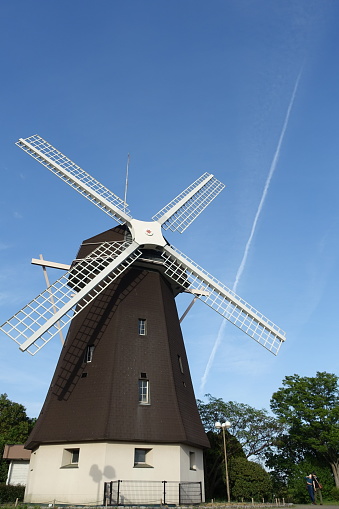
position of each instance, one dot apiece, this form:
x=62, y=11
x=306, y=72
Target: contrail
x=254, y=225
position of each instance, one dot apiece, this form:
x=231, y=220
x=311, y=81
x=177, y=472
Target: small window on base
x=192, y=461
x=70, y=458
x=142, y=458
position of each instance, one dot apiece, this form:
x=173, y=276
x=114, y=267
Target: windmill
x=121, y=403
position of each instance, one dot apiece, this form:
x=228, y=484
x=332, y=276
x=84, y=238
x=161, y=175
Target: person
x=310, y=487
x=317, y=489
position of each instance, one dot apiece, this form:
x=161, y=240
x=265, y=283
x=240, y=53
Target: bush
x=249, y=480
x=9, y=494
x=335, y=494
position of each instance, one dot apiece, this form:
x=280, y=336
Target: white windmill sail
x=75, y=177
x=186, y=207
x=41, y=319
x=223, y=300
x=36, y=323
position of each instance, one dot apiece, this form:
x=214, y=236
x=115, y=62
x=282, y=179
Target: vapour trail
x=254, y=225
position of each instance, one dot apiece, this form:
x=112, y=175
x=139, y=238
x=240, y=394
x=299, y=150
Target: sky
x=247, y=90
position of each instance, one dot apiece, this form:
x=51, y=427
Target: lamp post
x=223, y=426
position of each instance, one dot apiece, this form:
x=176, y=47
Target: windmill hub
x=147, y=233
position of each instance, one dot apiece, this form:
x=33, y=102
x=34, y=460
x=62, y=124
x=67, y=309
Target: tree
x=309, y=408
x=214, y=458
x=252, y=433
x=296, y=484
x=254, y=429
x=15, y=427
x=249, y=480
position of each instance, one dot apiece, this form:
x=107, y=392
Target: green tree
x=309, y=408
x=254, y=429
x=252, y=433
x=249, y=480
x=15, y=427
x=215, y=472
x=296, y=490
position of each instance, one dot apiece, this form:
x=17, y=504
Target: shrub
x=249, y=480
x=9, y=493
x=335, y=494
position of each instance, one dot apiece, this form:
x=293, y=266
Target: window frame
x=192, y=460
x=144, y=391
x=181, y=367
x=142, y=327
x=147, y=458
x=89, y=354
x=70, y=457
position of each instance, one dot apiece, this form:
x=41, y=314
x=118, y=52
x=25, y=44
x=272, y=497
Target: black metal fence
x=152, y=492
x=190, y=493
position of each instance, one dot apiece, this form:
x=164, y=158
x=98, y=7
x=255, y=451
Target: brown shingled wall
x=103, y=405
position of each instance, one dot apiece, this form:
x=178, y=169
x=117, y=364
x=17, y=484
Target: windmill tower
x=121, y=404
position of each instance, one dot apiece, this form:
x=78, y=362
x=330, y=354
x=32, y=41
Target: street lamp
x=223, y=426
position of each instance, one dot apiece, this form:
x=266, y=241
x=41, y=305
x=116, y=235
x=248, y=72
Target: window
x=70, y=458
x=143, y=391
x=180, y=364
x=192, y=461
x=74, y=456
x=142, y=458
x=142, y=327
x=89, y=353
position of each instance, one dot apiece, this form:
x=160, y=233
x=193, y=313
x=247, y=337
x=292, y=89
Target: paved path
x=304, y=506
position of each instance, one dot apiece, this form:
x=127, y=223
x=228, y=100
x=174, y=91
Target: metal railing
x=122, y=492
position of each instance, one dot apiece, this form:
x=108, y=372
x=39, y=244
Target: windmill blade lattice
x=40, y=320
x=75, y=177
x=223, y=300
x=186, y=207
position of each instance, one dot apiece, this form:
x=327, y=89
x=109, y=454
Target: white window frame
x=142, y=329
x=89, y=353
x=180, y=364
x=142, y=457
x=70, y=458
x=193, y=465
x=143, y=387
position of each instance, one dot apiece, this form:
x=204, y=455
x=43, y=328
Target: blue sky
x=247, y=90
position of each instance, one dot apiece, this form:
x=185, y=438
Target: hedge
x=9, y=493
